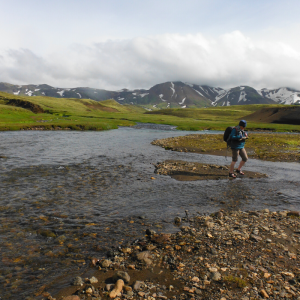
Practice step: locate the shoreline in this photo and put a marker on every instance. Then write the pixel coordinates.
(226, 255)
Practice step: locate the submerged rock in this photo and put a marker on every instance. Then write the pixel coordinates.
(77, 281)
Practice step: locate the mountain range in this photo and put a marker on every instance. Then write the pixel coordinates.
(165, 95)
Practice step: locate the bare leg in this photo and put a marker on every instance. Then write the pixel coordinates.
(241, 164)
(232, 166)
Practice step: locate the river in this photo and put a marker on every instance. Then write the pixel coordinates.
(66, 196)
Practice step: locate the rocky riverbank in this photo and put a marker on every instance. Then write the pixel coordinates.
(188, 171)
(227, 255)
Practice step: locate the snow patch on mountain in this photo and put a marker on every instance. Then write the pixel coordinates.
(29, 93)
(242, 96)
(61, 93)
(198, 92)
(17, 93)
(78, 95)
(260, 92)
(172, 88)
(282, 95)
(221, 94)
(161, 98)
(143, 95)
(182, 101)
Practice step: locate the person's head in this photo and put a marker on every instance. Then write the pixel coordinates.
(243, 124)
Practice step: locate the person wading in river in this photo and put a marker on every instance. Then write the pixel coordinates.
(238, 137)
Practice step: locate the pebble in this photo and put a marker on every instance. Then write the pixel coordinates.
(246, 264)
(93, 280)
(121, 275)
(77, 281)
(106, 263)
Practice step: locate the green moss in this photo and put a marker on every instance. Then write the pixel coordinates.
(47, 233)
(240, 283)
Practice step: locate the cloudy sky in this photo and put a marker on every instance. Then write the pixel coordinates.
(113, 44)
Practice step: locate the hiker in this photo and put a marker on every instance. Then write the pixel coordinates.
(238, 137)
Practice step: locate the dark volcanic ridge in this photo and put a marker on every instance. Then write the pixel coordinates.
(280, 115)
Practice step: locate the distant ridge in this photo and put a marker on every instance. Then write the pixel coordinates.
(165, 95)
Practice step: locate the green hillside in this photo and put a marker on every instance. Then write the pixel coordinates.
(46, 113)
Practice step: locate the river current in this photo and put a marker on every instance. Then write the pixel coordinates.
(66, 196)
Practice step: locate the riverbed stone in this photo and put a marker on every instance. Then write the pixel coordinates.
(77, 281)
(72, 297)
(144, 257)
(293, 214)
(93, 279)
(216, 276)
(121, 275)
(106, 263)
(138, 284)
(241, 268)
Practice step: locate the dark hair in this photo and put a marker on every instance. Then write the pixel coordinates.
(243, 123)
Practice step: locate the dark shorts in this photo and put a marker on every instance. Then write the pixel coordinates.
(239, 152)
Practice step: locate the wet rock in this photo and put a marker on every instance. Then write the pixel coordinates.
(93, 280)
(131, 267)
(137, 285)
(209, 224)
(177, 220)
(254, 213)
(255, 238)
(250, 255)
(117, 289)
(77, 281)
(145, 257)
(216, 276)
(72, 297)
(293, 214)
(195, 279)
(109, 287)
(150, 232)
(219, 215)
(264, 293)
(121, 275)
(106, 263)
(130, 293)
(150, 247)
(94, 261)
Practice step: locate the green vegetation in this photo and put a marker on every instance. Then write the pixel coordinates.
(20, 112)
(239, 282)
(266, 146)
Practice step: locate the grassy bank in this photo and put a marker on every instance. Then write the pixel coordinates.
(18, 113)
(269, 146)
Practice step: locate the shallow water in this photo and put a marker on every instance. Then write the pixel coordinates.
(67, 196)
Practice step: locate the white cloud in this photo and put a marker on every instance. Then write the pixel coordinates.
(229, 60)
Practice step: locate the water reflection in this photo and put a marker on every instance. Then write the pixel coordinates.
(65, 196)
